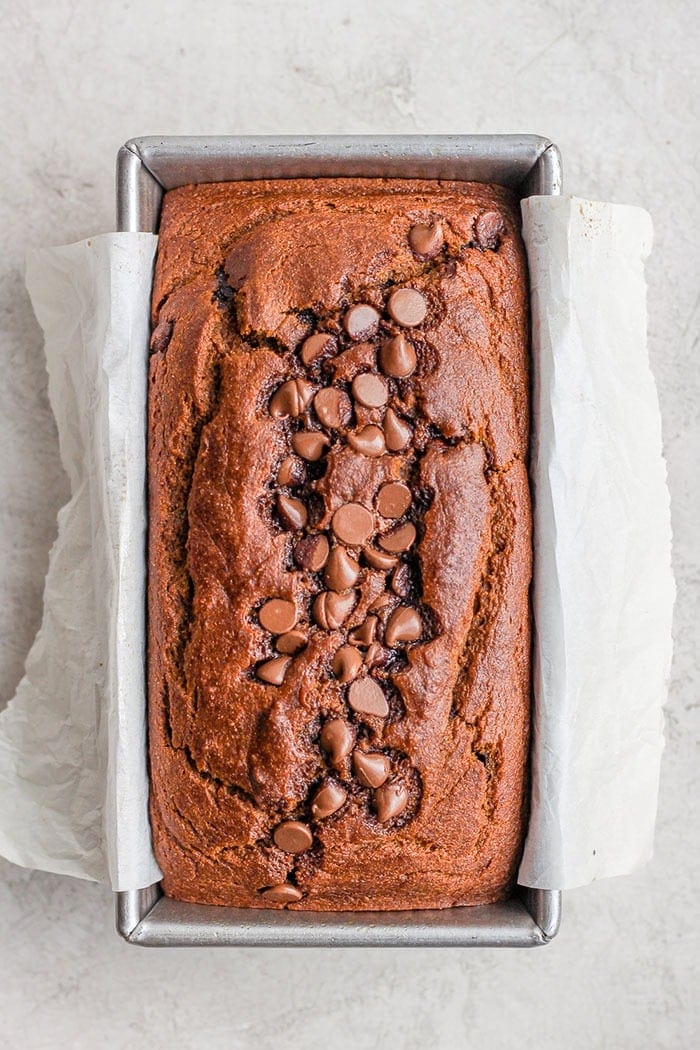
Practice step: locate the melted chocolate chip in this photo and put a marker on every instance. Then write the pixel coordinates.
(390, 800)
(407, 307)
(284, 893)
(361, 321)
(426, 241)
(277, 615)
(376, 656)
(342, 570)
(310, 444)
(328, 800)
(379, 559)
(365, 633)
(398, 539)
(370, 390)
(337, 739)
(401, 581)
(272, 672)
(370, 767)
(368, 442)
(404, 626)
(293, 837)
(291, 398)
(291, 643)
(316, 345)
(292, 512)
(352, 524)
(366, 697)
(331, 609)
(347, 664)
(291, 472)
(333, 407)
(397, 432)
(311, 553)
(397, 357)
(393, 499)
(489, 229)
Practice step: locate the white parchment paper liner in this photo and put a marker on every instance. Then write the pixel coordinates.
(603, 588)
(72, 742)
(73, 778)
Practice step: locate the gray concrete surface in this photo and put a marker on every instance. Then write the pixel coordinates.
(616, 85)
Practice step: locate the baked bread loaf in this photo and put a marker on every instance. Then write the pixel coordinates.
(339, 544)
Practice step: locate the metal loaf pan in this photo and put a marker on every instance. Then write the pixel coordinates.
(146, 167)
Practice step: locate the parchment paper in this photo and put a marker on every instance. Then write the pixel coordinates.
(603, 589)
(73, 779)
(72, 742)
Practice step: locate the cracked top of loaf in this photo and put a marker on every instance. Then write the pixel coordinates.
(339, 544)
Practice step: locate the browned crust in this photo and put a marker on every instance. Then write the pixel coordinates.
(229, 755)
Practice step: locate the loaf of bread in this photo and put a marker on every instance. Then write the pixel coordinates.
(339, 544)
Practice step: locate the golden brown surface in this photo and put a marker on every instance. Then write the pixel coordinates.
(245, 272)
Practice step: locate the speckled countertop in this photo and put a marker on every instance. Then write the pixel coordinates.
(616, 87)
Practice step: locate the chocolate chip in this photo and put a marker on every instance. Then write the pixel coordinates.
(407, 307)
(366, 697)
(316, 345)
(352, 524)
(292, 511)
(376, 656)
(291, 642)
(398, 539)
(273, 671)
(310, 444)
(331, 609)
(401, 581)
(291, 398)
(370, 767)
(426, 241)
(404, 626)
(333, 407)
(368, 442)
(328, 800)
(397, 357)
(293, 837)
(490, 227)
(277, 615)
(370, 390)
(397, 432)
(284, 893)
(311, 553)
(390, 800)
(365, 633)
(347, 664)
(361, 321)
(291, 472)
(393, 499)
(378, 559)
(337, 739)
(342, 570)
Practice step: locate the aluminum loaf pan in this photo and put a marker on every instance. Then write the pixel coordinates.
(146, 168)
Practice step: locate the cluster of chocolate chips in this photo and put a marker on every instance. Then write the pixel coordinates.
(372, 769)
(360, 538)
(325, 413)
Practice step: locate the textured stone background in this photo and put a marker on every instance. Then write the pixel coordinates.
(616, 86)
